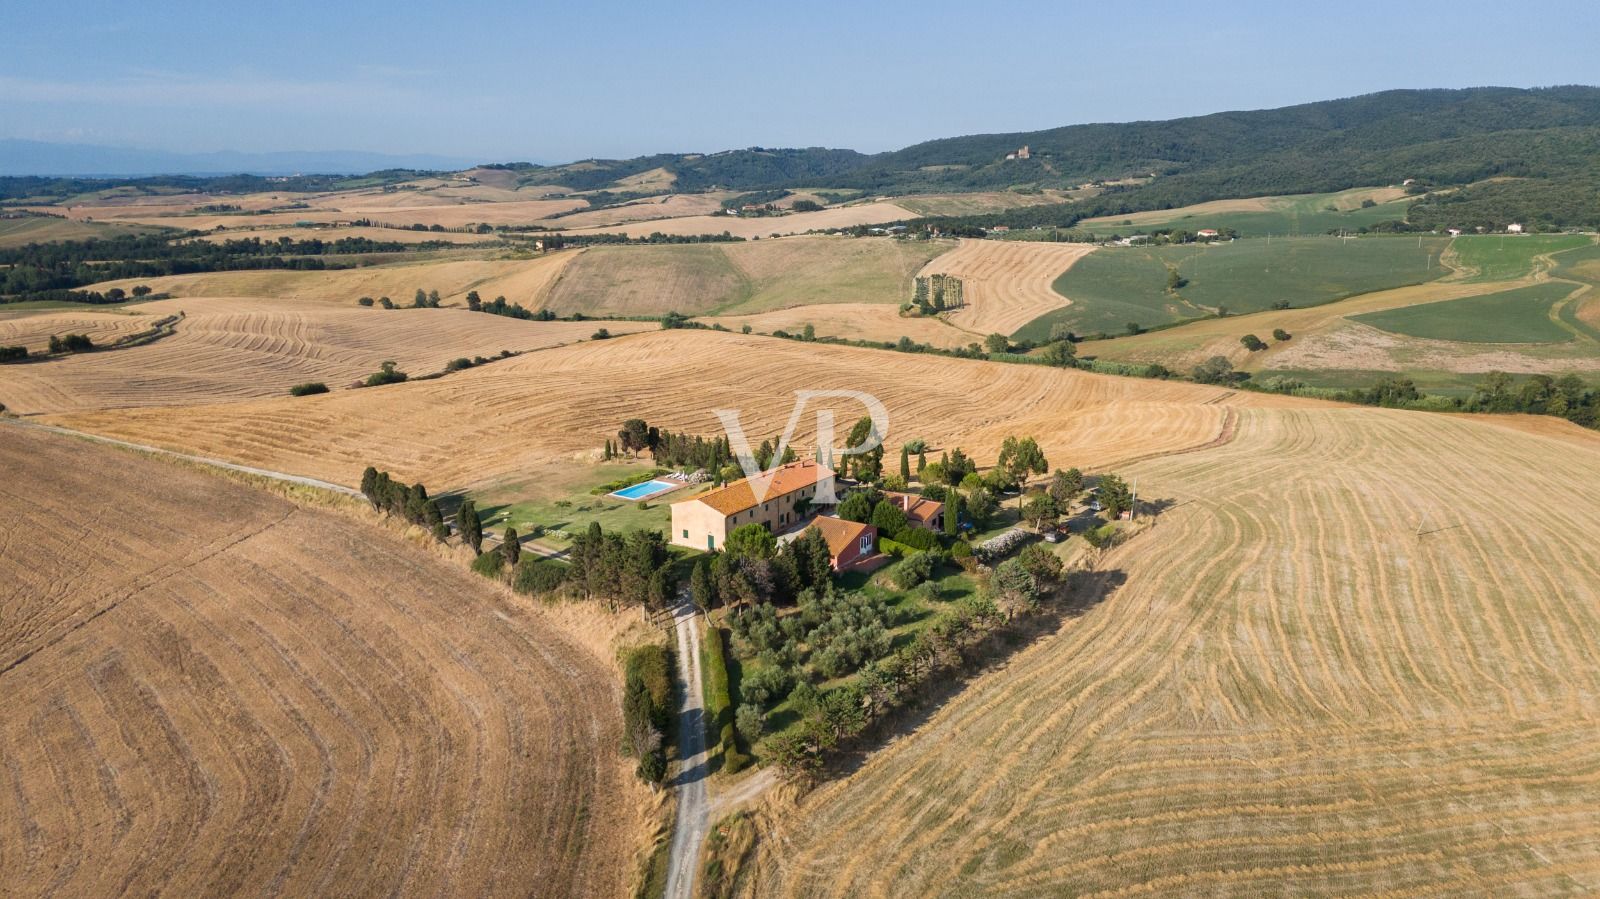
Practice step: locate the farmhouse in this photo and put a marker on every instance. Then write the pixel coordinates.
(851, 544)
(920, 512)
(1206, 232)
(704, 521)
(1513, 228)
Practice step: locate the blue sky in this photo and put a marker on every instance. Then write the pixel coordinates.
(553, 82)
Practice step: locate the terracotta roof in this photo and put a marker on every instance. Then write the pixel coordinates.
(784, 480)
(915, 506)
(840, 534)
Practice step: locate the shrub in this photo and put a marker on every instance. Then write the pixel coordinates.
(490, 564)
(386, 374)
(458, 364)
(364, 301)
(13, 353)
(1040, 562)
(601, 334)
(916, 568)
(71, 343)
(766, 687)
(1252, 343)
(999, 547)
(535, 575)
(1280, 334)
(749, 720)
(917, 538)
(647, 709)
(718, 701)
(308, 388)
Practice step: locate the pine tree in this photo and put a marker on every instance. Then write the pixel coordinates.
(510, 548)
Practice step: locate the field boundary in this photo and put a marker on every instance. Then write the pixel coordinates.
(301, 480)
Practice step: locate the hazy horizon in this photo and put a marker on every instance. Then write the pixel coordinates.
(562, 83)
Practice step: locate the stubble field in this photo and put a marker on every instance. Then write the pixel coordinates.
(1341, 663)
(229, 348)
(482, 424)
(207, 690)
(1006, 284)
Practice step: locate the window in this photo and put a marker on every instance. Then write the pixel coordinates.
(685, 533)
(711, 541)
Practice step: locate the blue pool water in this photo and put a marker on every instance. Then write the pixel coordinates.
(644, 490)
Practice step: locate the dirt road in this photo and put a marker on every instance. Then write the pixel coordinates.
(689, 830)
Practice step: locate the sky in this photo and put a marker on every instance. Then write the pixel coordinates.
(503, 81)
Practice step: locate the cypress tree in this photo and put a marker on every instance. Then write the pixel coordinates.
(470, 525)
(510, 548)
(369, 485)
(905, 465)
(922, 462)
(952, 513)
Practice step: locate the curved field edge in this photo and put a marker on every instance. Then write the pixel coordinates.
(209, 690)
(1520, 315)
(1334, 665)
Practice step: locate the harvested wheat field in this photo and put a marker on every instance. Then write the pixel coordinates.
(852, 321)
(753, 276)
(647, 209)
(520, 280)
(339, 232)
(236, 348)
(209, 691)
(875, 213)
(1344, 662)
(396, 207)
(1006, 283)
(34, 328)
(475, 426)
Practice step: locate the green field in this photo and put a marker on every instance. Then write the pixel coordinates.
(1506, 257)
(1112, 287)
(16, 232)
(1305, 214)
(1521, 315)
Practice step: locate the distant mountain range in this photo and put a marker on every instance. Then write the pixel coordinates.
(29, 157)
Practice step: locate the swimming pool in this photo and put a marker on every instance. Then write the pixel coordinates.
(644, 490)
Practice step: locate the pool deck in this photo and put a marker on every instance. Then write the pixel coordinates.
(673, 487)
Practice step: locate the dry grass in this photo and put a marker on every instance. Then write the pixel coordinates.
(520, 280)
(337, 232)
(236, 348)
(1006, 283)
(797, 223)
(854, 321)
(33, 329)
(1292, 694)
(212, 691)
(445, 203)
(482, 424)
(669, 206)
(754, 276)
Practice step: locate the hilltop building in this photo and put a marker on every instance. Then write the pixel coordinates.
(704, 521)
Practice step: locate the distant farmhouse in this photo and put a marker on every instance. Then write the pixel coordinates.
(704, 521)
(920, 512)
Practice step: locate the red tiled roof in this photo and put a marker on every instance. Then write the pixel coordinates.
(915, 506)
(840, 534)
(786, 479)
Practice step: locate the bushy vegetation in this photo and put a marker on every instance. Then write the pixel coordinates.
(718, 700)
(386, 374)
(71, 343)
(308, 388)
(621, 569)
(13, 353)
(647, 709)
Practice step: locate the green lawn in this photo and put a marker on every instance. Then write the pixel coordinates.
(1112, 287)
(1306, 214)
(561, 501)
(1505, 257)
(1521, 315)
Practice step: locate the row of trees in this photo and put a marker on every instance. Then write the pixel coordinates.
(410, 502)
(752, 569)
